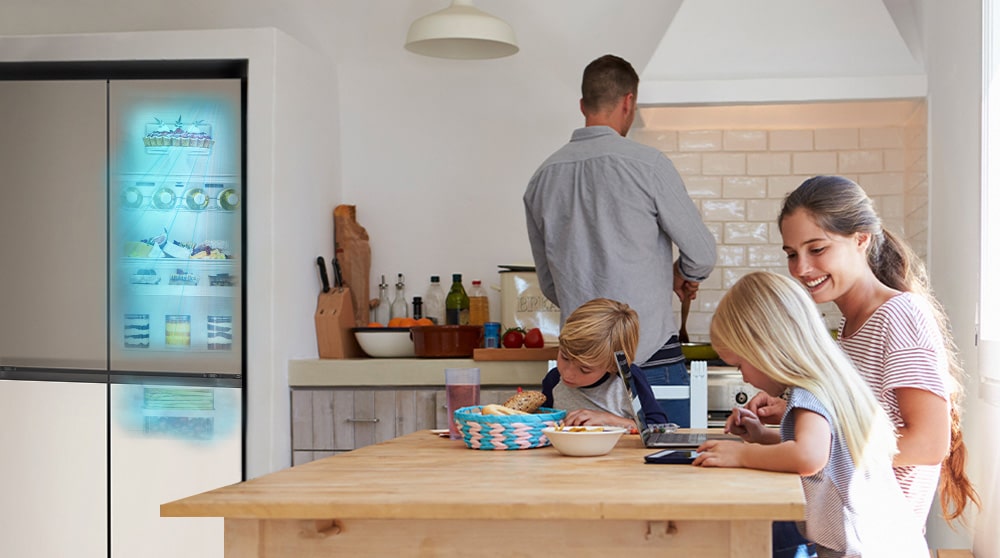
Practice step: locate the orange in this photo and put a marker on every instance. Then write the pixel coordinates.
(424, 322)
(396, 322)
(375, 324)
(407, 322)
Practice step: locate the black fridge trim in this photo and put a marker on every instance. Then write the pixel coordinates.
(32, 374)
(165, 379)
(124, 69)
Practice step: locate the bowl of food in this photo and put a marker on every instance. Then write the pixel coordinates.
(385, 342)
(583, 441)
(446, 341)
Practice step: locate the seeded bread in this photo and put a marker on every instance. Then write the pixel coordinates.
(526, 401)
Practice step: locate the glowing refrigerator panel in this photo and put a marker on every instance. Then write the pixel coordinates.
(176, 194)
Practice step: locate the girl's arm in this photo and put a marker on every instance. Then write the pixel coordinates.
(925, 436)
(806, 455)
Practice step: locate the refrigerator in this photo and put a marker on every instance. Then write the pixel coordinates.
(122, 354)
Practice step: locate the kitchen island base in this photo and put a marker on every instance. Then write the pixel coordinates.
(253, 538)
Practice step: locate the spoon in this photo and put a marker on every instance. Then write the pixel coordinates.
(682, 335)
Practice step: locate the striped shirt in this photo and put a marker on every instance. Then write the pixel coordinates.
(852, 512)
(900, 346)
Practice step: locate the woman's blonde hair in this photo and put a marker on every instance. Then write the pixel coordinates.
(840, 206)
(597, 329)
(772, 324)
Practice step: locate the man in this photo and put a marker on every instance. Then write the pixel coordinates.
(603, 213)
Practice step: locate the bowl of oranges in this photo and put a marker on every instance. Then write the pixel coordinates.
(390, 340)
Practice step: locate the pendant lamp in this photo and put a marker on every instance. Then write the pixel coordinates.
(461, 31)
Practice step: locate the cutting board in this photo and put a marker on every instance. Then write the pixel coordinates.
(545, 353)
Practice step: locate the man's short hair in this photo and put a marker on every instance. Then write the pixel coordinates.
(606, 80)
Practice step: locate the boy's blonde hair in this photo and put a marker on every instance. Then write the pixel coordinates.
(598, 328)
(772, 324)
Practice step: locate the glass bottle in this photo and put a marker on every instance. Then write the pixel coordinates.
(418, 308)
(479, 304)
(456, 304)
(382, 310)
(400, 308)
(434, 301)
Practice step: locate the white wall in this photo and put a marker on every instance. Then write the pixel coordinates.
(954, 67)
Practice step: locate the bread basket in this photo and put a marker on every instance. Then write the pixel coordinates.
(505, 432)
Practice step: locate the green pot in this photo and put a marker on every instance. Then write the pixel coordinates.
(699, 351)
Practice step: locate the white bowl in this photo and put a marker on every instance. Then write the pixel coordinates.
(385, 342)
(583, 441)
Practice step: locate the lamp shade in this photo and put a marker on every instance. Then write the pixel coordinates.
(461, 31)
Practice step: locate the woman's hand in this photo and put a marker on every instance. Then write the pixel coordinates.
(587, 417)
(767, 408)
(747, 425)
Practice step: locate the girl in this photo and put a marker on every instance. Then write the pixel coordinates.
(893, 329)
(833, 433)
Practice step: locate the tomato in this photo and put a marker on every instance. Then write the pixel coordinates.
(513, 338)
(533, 339)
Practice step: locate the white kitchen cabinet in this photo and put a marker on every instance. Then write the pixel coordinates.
(328, 421)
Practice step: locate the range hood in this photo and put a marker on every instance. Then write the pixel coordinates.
(766, 51)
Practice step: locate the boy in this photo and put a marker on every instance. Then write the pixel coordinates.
(585, 381)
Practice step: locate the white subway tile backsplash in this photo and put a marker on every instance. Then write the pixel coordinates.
(813, 163)
(745, 233)
(763, 210)
(723, 163)
(687, 164)
(744, 140)
(700, 140)
(859, 161)
(873, 138)
(739, 178)
(730, 255)
(744, 187)
(836, 138)
(723, 210)
(791, 140)
(703, 186)
(768, 163)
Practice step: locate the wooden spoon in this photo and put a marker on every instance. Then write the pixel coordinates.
(682, 335)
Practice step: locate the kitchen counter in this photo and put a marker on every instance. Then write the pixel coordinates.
(402, 372)
(422, 495)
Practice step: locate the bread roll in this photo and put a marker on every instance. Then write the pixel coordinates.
(526, 401)
(494, 409)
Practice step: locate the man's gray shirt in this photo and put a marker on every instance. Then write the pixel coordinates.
(603, 214)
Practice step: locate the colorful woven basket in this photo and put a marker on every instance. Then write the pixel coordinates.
(505, 432)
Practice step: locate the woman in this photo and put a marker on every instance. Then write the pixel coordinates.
(893, 329)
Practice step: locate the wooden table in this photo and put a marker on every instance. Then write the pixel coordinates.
(421, 495)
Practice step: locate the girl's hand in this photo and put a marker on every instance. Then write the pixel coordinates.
(766, 407)
(587, 417)
(720, 453)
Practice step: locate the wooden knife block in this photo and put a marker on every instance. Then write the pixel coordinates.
(334, 320)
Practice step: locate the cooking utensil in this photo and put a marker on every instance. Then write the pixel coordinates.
(322, 274)
(699, 351)
(338, 277)
(682, 335)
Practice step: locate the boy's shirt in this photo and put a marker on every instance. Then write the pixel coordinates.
(607, 394)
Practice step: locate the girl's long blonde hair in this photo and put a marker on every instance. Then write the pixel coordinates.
(772, 324)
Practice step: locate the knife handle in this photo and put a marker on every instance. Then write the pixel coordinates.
(322, 273)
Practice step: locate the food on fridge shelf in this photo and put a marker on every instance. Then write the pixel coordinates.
(229, 199)
(196, 199)
(182, 277)
(131, 197)
(178, 134)
(137, 249)
(164, 198)
(221, 280)
(145, 277)
(179, 250)
(220, 333)
(178, 330)
(136, 331)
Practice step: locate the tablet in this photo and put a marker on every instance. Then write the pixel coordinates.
(670, 456)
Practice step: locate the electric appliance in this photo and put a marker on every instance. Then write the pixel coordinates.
(121, 344)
